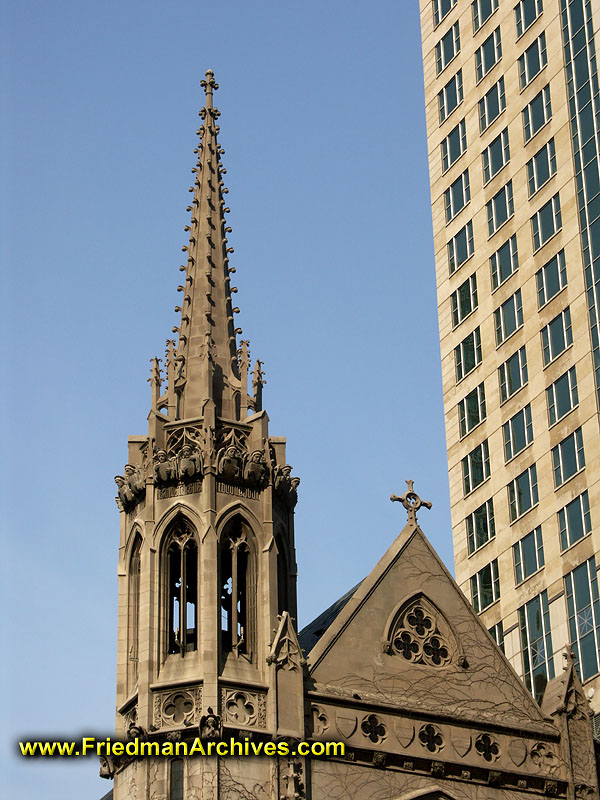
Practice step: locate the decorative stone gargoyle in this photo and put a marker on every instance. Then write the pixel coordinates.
(229, 463)
(210, 725)
(286, 486)
(255, 469)
(135, 481)
(165, 469)
(107, 767)
(126, 498)
(190, 464)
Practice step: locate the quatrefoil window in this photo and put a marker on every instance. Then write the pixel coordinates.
(373, 728)
(421, 635)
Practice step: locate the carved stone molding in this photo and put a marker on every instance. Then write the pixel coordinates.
(177, 708)
(319, 721)
(240, 707)
(373, 728)
(430, 737)
(543, 758)
(487, 747)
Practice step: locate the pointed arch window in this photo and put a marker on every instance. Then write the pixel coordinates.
(237, 585)
(181, 589)
(176, 779)
(283, 573)
(134, 611)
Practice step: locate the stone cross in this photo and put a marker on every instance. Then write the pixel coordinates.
(411, 502)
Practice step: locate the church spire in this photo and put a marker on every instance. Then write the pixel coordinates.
(207, 372)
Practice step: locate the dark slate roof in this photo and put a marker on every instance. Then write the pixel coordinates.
(107, 796)
(310, 635)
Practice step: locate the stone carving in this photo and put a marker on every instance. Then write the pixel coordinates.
(543, 758)
(346, 724)
(135, 481)
(107, 767)
(487, 747)
(286, 487)
(494, 777)
(430, 736)
(191, 435)
(379, 759)
(373, 728)
(244, 708)
(551, 788)
(135, 731)
(125, 497)
(421, 635)
(229, 463)
(411, 502)
(285, 651)
(176, 709)
(405, 732)
(291, 780)
(165, 469)
(255, 469)
(517, 751)
(319, 720)
(438, 770)
(461, 743)
(190, 464)
(210, 726)
(583, 792)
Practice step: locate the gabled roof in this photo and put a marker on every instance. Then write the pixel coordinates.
(311, 633)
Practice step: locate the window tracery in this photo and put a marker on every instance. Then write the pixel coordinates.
(421, 635)
(181, 589)
(238, 589)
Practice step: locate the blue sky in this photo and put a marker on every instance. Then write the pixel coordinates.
(324, 131)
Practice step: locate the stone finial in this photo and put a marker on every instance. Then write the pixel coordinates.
(209, 85)
(411, 501)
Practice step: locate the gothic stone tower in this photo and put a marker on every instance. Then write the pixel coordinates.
(400, 669)
(207, 569)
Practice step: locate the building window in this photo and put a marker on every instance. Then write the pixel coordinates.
(134, 612)
(237, 584)
(176, 779)
(451, 96)
(495, 156)
(497, 634)
(464, 300)
(441, 8)
(537, 113)
(482, 11)
(476, 467)
(485, 586)
(551, 278)
(488, 54)
(518, 433)
(182, 588)
(536, 644)
(581, 586)
(512, 374)
(509, 317)
(454, 145)
(460, 247)
(562, 396)
(457, 196)
(447, 48)
(557, 336)
(533, 60)
(546, 222)
(480, 526)
(568, 457)
(504, 262)
(500, 208)
(574, 521)
(491, 105)
(528, 555)
(471, 410)
(522, 493)
(526, 13)
(541, 167)
(467, 355)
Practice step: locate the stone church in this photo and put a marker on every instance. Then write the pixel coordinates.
(400, 669)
